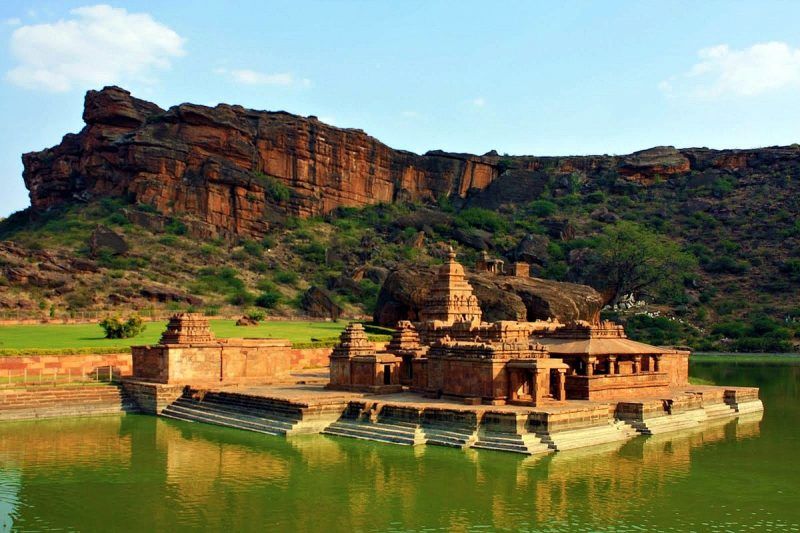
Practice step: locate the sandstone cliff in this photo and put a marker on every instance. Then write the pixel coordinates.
(221, 166)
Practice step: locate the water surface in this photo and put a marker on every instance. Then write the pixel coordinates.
(143, 473)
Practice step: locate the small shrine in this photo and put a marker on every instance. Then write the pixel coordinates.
(357, 366)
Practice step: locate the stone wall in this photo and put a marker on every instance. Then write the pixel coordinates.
(122, 364)
(61, 365)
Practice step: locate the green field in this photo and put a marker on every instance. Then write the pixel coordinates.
(767, 358)
(88, 338)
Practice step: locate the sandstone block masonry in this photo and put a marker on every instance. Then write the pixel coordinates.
(188, 353)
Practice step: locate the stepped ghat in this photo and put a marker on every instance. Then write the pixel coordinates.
(449, 379)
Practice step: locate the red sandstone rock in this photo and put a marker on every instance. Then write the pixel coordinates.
(211, 164)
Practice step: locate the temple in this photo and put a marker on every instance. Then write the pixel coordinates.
(448, 379)
(452, 353)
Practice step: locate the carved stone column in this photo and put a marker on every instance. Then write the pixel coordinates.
(637, 364)
(656, 363)
(613, 365)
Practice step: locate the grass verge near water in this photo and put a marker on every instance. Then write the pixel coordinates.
(71, 339)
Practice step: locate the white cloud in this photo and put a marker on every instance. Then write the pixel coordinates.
(99, 45)
(253, 77)
(751, 71)
(15, 21)
(478, 102)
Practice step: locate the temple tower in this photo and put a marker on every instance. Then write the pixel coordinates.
(187, 328)
(451, 299)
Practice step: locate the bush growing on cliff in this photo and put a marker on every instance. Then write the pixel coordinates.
(117, 328)
(221, 281)
(274, 188)
(477, 217)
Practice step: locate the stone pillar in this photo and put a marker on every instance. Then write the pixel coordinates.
(536, 389)
(656, 363)
(613, 365)
(562, 380)
(591, 361)
(637, 364)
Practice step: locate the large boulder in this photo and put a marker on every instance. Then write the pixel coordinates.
(319, 303)
(500, 297)
(108, 240)
(532, 249)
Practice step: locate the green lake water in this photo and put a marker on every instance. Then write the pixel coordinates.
(141, 473)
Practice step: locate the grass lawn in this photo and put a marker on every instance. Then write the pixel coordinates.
(88, 338)
(772, 358)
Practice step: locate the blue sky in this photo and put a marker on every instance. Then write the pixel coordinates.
(551, 78)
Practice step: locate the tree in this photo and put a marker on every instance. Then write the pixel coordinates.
(117, 328)
(630, 259)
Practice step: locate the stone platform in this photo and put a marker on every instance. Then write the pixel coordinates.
(303, 405)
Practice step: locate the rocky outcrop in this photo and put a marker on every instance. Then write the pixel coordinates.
(232, 167)
(319, 303)
(500, 297)
(108, 240)
(235, 171)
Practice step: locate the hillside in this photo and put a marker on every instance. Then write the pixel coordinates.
(226, 206)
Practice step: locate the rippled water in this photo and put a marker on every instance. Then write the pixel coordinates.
(143, 473)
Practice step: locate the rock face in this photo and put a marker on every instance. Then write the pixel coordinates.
(103, 238)
(229, 167)
(233, 171)
(500, 297)
(319, 303)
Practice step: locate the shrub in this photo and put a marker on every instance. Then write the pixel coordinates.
(313, 252)
(117, 328)
(176, 227)
(274, 188)
(265, 284)
(477, 217)
(286, 277)
(256, 315)
(242, 298)
(596, 197)
(268, 299)
(252, 248)
(543, 208)
(222, 281)
(727, 264)
(791, 268)
(209, 250)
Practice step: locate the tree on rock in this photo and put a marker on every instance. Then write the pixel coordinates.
(630, 259)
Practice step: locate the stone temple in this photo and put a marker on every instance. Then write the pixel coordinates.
(448, 379)
(451, 353)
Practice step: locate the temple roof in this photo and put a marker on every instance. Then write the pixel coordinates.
(601, 346)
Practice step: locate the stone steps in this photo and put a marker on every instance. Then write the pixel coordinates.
(196, 417)
(753, 406)
(718, 410)
(590, 436)
(664, 424)
(379, 432)
(224, 409)
(528, 444)
(55, 402)
(210, 413)
(455, 437)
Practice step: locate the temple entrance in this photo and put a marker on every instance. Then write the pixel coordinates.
(387, 374)
(522, 386)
